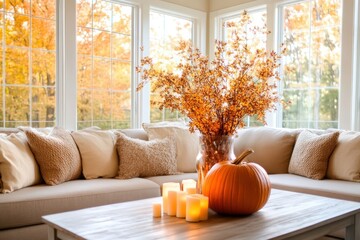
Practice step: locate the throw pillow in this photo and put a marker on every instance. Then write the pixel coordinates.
(344, 162)
(311, 154)
(56, 154)
(187, 143)
(18, 168)
(98, 153)
(139, 158)
(272, 147)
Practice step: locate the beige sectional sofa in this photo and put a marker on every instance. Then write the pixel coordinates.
(278, 149)
(21, 209)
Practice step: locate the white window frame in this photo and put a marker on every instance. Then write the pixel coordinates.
(349, 96)
(66, 70)
(356, 72)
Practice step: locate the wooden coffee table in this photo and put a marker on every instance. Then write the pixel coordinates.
(286, 215)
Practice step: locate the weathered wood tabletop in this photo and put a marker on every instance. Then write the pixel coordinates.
(286, 215)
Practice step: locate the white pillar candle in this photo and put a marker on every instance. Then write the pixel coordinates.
(172, 201)
(188, 183)
(181, 204)
(204, 206)
(156, 210)
(191, 190)
(165, 189)
(192, 209)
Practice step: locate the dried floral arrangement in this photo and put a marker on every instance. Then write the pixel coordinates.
(216, 95)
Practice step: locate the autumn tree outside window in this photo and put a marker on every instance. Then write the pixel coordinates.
(104, 46)
(320, 70)
(27, 63)
(320, 76)
(101, 39)
(165, 32)
(311, 31)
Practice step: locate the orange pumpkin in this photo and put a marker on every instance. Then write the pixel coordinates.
(237, 187)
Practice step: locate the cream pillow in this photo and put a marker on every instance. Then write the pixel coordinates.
(56, 154)
(344, 163)
(311, 154)
(272, 147)
(187, 143)
(139, 158)
(18, 168)
(98, 153)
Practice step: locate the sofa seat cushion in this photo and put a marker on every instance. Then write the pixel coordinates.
(327, 187)
(160, 180)
(26, 206)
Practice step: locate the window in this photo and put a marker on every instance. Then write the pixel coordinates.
(319, 72)
(104, 40)
(27, 63)
(165, 32)
(257, 18)
(312, 35)
(71, 63)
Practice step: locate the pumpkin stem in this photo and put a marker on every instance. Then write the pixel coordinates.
(243, 155)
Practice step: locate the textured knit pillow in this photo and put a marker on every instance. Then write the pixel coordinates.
(98, 153)
(18, 168)
(344, 162)
(139, 158)
(272, 147)
(187, 143)
(56, 154)
(311, 154)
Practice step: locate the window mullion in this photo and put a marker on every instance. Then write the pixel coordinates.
(66, 64)
(346, 115)
(271, 117)
(143, 97)
(356, 74)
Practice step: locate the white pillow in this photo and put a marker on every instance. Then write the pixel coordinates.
(344, 162)
(187, 143)
(98, 153)
(18, 168)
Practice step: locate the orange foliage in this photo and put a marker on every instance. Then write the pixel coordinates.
(216, 95)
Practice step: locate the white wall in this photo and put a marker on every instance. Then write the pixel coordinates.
(201, 5)
(208, 5)
(215, 5)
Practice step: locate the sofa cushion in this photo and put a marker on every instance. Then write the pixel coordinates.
(98, 153)
(272, 147)
(56, 154)
(18, 167)
(27, 205)
(311, 154)
(139, 158)
(344, 162)
(187, 143)
(327, 187)
(38, 232)
(137, 133)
